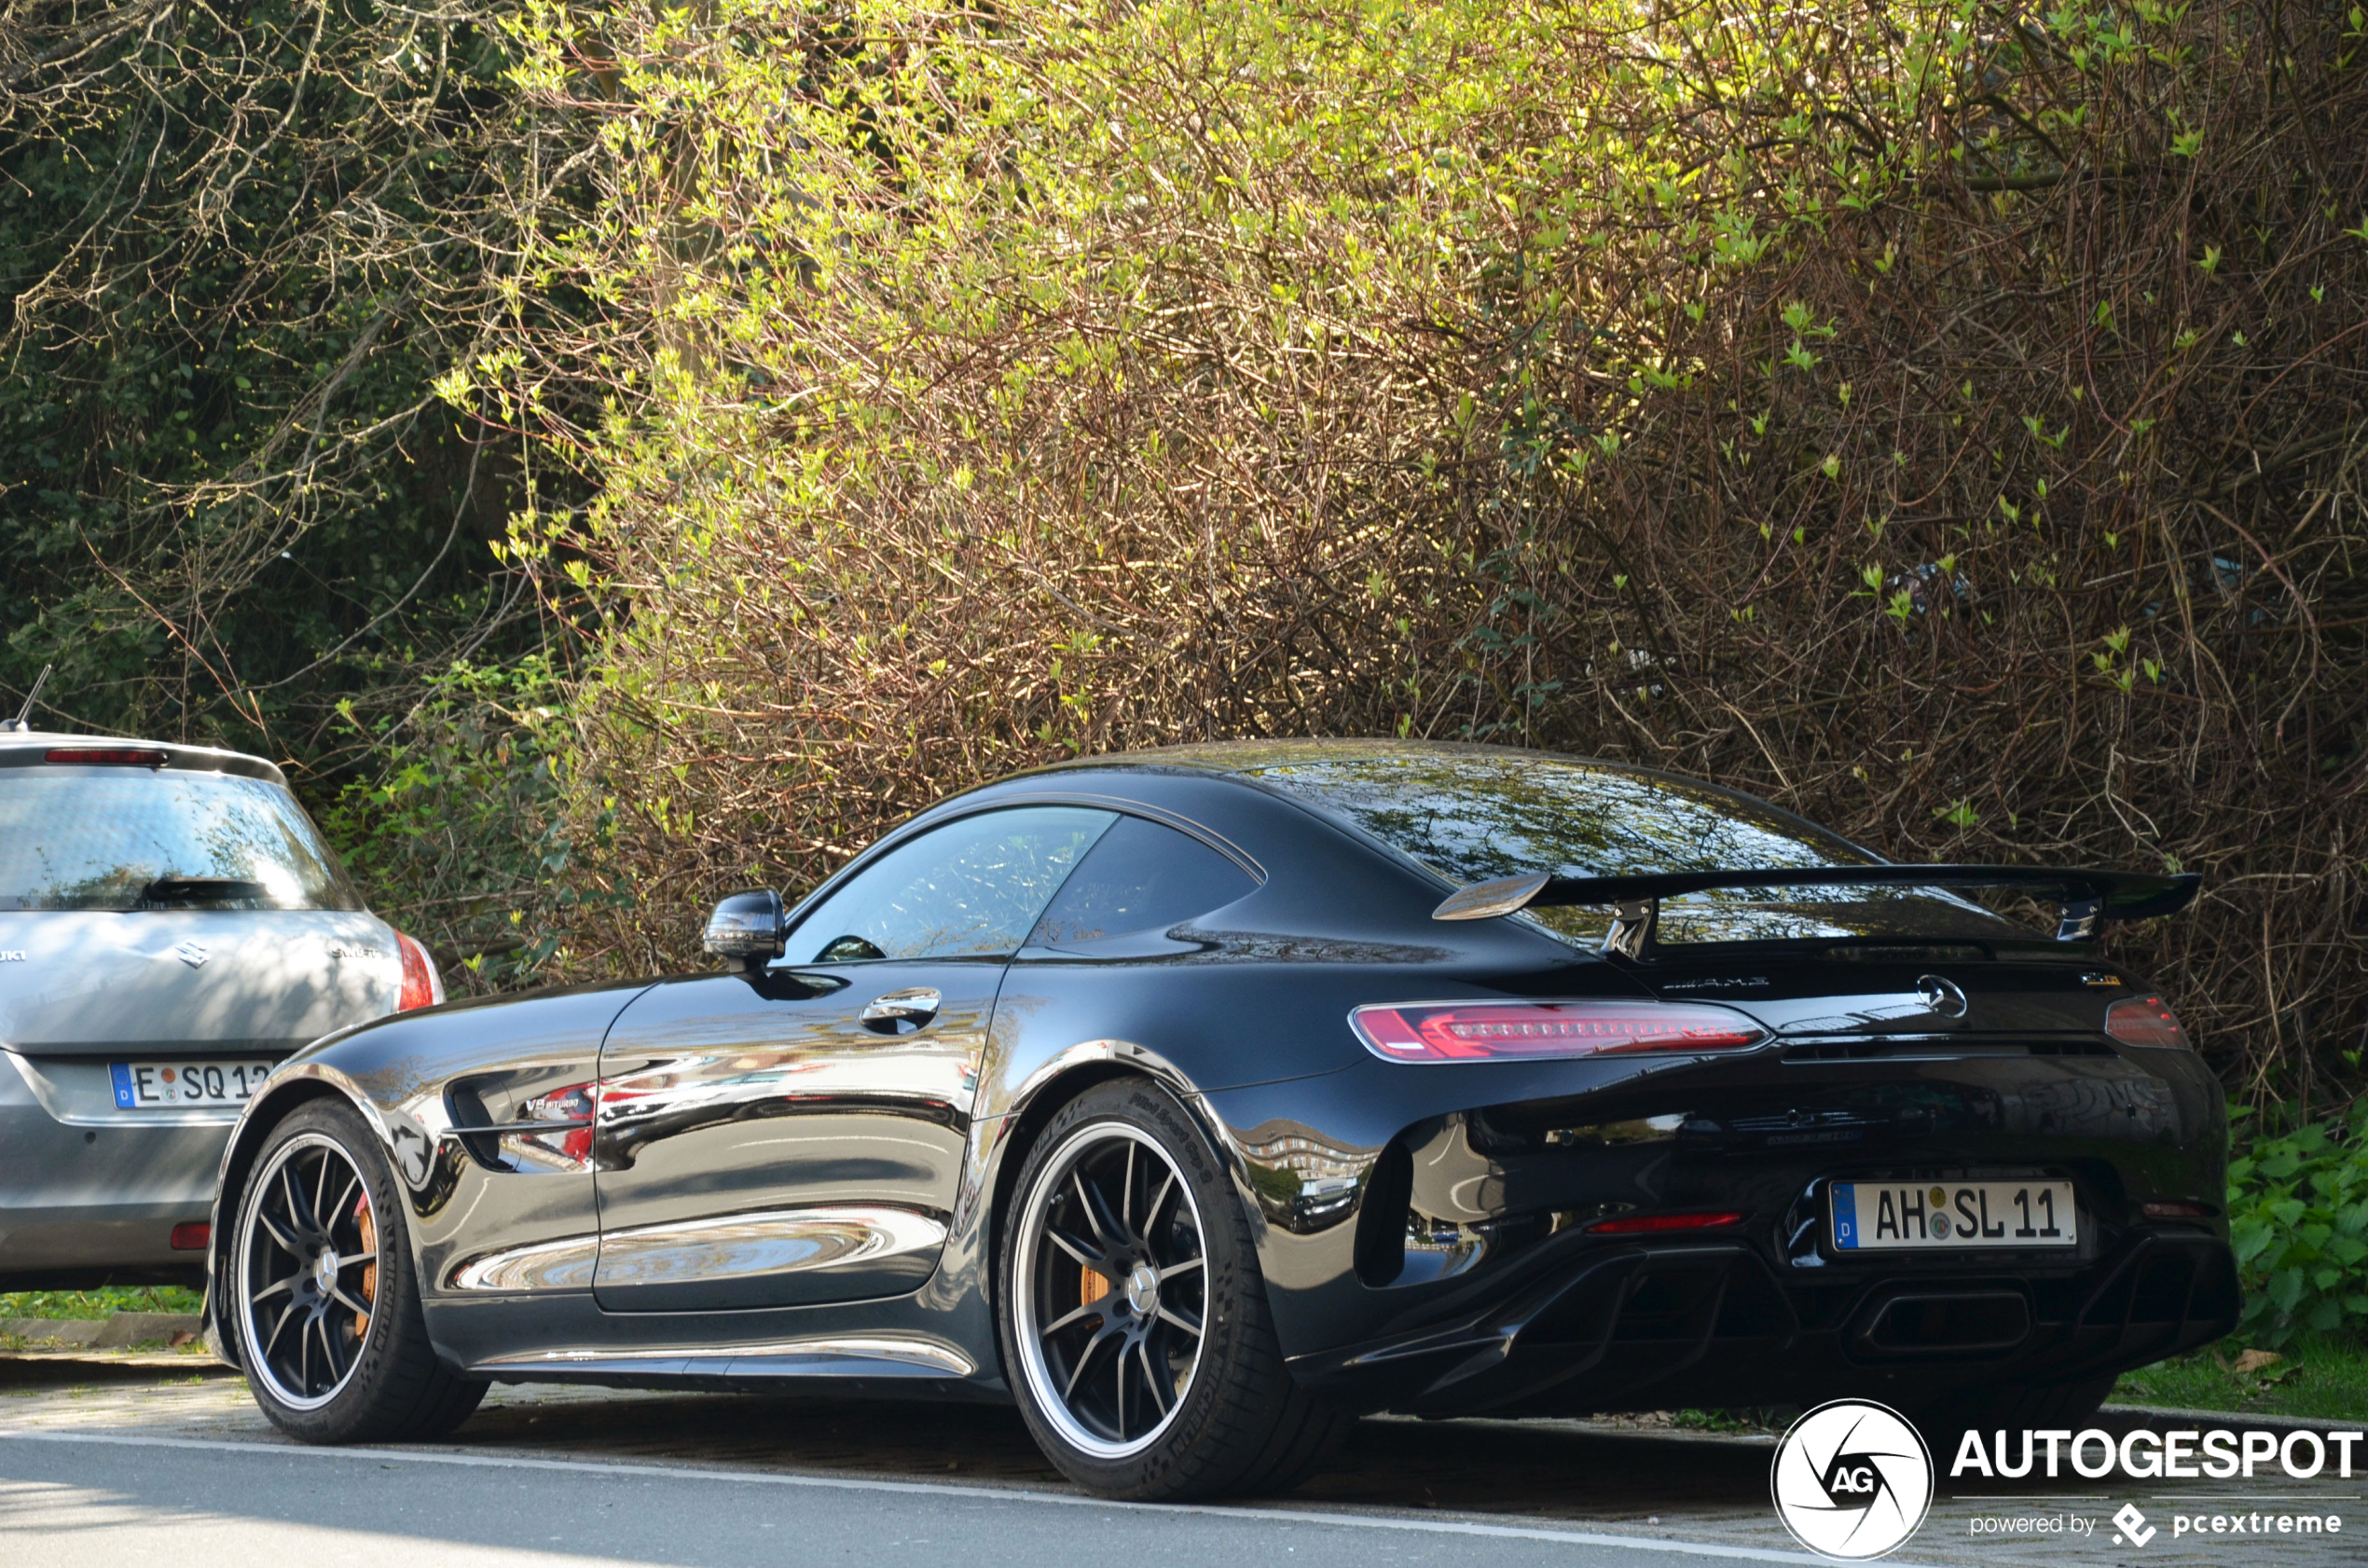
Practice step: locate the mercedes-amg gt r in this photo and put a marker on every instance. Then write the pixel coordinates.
(1201, 1100)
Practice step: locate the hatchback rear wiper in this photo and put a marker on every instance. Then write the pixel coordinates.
(2088, 898)
(178, 890)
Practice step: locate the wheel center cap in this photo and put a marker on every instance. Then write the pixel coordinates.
(1143, 1289)
(324, 1268)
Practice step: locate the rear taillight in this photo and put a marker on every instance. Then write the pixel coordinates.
(104, 756)
(2144, 1021)
(191, 1235)
(1496, 1031)
(421, 985)
(1646, 1224)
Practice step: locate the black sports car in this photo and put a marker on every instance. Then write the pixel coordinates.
(1199, 1100)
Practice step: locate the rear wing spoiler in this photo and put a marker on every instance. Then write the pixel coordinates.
(2089, 899)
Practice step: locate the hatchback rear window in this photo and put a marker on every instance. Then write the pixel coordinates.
(1476, 816)
(113, 838)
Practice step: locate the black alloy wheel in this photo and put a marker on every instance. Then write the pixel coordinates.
(308, 1270)
(1134, 1318)
(1115, 1289)
(320, 1294)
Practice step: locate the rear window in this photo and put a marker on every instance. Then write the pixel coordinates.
(116, 838)
(1476, 816)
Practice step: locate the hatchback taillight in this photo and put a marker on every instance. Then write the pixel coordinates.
(105, 756)
(421, 985)
(2144, 1021)
(1485, 1031)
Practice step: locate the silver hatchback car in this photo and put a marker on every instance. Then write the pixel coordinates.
(171, 927)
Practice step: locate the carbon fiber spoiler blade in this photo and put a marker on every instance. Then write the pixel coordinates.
(2089, 898)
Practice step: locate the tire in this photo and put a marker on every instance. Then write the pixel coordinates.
(1134, 1319)
(320, 1255)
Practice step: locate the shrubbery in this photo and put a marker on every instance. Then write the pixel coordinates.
(1941, 418)
(2298, 1214)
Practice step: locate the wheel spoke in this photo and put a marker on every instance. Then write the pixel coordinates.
(274, 1338)
(1126, 1190)
(1151, 1214)
(340, 1358)
(338, 1208)
(1096, 1210)
(1091, 1309)
(275, 1287)
(354, 1260)
(1078, 1249)
(1168, 1315)
(324, 1218)
(1160, 1396)
(1175, 1269)
(292, 1201)
(1122, 1360)
(338, 1295)
(304, 1356)
(284, 1239)
(1085, 1359)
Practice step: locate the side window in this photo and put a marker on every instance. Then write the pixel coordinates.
(1139, 877)
(968, 889)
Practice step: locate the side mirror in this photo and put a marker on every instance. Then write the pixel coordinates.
(746, 929)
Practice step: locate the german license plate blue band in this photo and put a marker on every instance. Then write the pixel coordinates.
(1845, 1213)
(124, 1098)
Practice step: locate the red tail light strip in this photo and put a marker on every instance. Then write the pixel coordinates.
(1642, 1224)
(1532, 1031)
(192, 1235)
(95, 756)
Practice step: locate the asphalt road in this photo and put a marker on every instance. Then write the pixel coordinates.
(115, 1464)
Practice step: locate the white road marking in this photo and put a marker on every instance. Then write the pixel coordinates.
(935, 1488)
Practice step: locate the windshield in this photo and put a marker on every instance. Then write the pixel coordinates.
(116, 838)
(1474, 816)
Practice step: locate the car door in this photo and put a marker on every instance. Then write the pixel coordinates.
(796, 1135)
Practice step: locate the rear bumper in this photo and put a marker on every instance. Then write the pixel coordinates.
(93, 1200)
(1444, 1263)
(1586, 1325)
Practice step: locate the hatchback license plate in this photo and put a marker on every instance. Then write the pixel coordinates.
(1871, 1216)
(185, 1085)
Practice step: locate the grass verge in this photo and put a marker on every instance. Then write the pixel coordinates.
(100, 1303)
(2326, 1379)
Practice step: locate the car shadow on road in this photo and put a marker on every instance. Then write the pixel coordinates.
(1553, 1469)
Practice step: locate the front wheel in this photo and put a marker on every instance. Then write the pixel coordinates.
(321, 1294)
(1134, 1318)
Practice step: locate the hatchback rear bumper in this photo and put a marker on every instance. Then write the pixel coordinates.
(90, 1196)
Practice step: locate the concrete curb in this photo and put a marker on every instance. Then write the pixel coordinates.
(2160, 1418)
(102, 1333)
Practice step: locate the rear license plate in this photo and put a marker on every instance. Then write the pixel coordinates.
(185, 1085)
(1871, 1216)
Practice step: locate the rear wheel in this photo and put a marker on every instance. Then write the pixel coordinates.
(1134, 1318)
(322, 1298)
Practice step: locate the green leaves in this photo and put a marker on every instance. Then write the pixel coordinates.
(2298, 1221)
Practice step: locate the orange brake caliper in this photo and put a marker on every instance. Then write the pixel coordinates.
(369, 1270)
(1091, 1287)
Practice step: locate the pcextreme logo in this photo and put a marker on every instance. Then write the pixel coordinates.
(1852, 1480)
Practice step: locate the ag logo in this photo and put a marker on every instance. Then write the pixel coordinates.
(1852, 1480)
